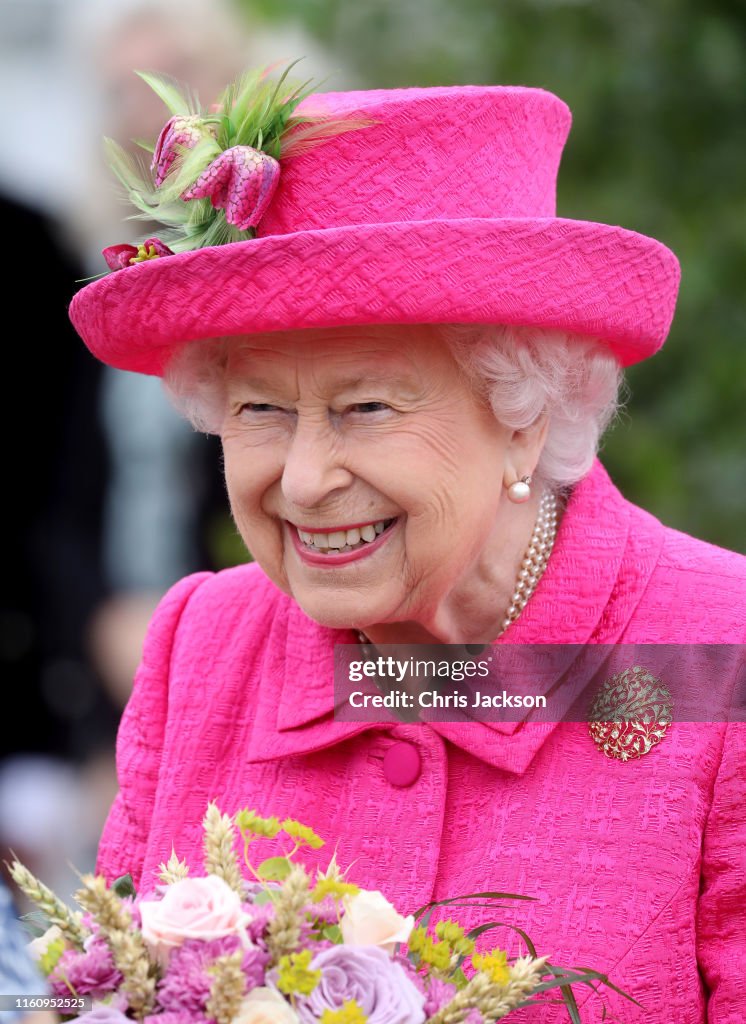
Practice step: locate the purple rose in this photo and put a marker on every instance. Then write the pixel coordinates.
(368, 975)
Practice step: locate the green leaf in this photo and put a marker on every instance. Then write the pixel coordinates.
(169, 91)
(274, 869)
(264, 896)
(123, 886)
(51, 956)
(333, 933)
(458, 978)
(475, 932)
(473, 896)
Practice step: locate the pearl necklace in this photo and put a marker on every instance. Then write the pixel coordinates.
(537, 555)
(533, 565)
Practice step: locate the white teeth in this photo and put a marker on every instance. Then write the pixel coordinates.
(342, 540)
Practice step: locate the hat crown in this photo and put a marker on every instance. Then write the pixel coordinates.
(428, 154)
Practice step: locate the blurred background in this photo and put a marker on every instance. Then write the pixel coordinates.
(113, 498)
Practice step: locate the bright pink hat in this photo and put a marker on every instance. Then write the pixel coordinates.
(441, 209)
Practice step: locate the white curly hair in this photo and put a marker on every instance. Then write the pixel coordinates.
(523, 373)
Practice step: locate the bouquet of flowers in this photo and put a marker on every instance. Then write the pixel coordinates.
(284, 948)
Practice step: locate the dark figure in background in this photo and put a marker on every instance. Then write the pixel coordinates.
(52, 577)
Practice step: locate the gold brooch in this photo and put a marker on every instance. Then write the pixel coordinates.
(630, 714)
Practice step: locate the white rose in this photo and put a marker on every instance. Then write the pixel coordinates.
(265, 1006)
(38, 947)
(370, 920)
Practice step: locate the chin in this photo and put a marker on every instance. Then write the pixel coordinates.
(335, 611)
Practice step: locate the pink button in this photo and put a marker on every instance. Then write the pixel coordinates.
(402, 764)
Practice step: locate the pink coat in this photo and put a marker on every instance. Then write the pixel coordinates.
(638, 867)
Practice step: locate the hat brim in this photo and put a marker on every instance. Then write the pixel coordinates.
(592, 279)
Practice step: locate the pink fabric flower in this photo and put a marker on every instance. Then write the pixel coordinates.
(193, 908)
(240, 181)
(120, 256)
(178, 132)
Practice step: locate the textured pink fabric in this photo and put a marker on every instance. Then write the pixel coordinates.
(441, 209)
(638, 868)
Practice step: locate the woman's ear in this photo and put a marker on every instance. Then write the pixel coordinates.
(524, 449)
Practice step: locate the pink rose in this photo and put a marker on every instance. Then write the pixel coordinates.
(193, 908)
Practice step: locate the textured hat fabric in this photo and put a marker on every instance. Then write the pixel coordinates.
(442, 209)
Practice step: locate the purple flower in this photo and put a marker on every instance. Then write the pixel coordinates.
(369, 976)
(261, 914)
(174, 1017)
(91, 972)
(102, 1014)
(186, 986)
(325, 910)
(438, 994)
(177, 134)
(241, 181)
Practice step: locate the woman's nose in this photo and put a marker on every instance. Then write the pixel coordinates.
(313, 468)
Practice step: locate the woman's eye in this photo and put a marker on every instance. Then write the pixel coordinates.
(369, 407)
(259, 407)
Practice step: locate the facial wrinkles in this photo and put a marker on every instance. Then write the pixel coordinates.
(429, 431)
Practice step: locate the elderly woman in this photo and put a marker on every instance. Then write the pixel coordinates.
(410, 367)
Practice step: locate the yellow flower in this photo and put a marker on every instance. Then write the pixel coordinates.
(295, 974)
(435, 954)
(494, 965)
(144, 253)
(350, 1013)
(331, 887)
(250, 821)
(453, 934)
(416, 940)
(302, 834)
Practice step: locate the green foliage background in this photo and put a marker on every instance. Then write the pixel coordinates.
(658, 94)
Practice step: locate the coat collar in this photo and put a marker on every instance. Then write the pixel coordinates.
(594, 579)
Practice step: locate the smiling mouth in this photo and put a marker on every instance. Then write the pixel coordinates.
(340, 541)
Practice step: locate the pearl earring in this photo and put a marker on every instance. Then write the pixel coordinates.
(520, 491)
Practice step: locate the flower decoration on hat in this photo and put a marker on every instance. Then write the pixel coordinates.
(213, 173)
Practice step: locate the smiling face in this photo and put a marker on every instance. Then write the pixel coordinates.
(363, 474)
